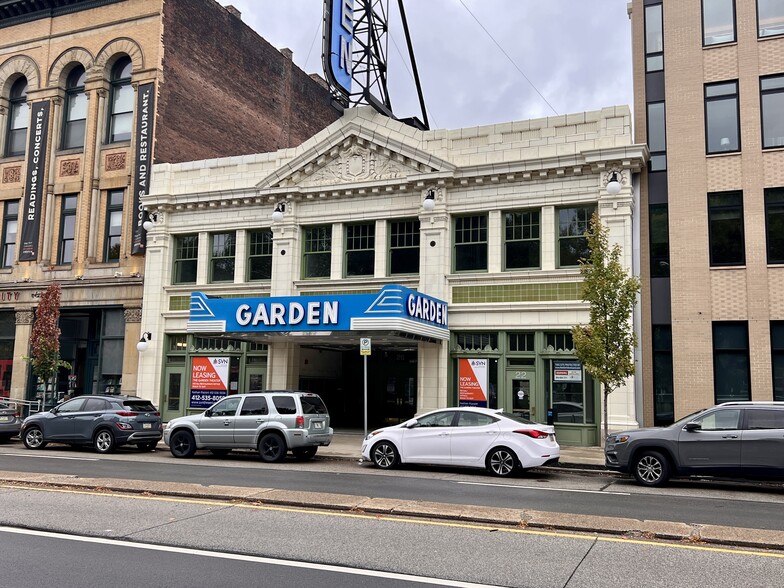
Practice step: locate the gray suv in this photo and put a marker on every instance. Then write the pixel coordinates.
(734, 439)
(271, 422)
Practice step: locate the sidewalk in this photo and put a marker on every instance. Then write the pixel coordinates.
(347, 444)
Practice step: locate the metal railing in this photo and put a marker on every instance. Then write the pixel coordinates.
(25, 407)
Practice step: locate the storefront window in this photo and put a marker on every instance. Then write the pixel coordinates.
(571, 392)
(7, 332)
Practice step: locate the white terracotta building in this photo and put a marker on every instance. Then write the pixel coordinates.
(499, 247)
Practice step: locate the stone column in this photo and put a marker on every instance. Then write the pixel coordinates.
(24, 328)
(285, 257)
(133, 332)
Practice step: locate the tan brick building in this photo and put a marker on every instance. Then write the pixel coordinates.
(709, 101)
(92, 93)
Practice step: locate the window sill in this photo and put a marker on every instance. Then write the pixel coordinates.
(116, 145)
(773, 149)
(766, 37)
(723, 154)
(12, 159)
(71, 151)
(722, 44)
(728, 267)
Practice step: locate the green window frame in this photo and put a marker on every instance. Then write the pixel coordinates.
(260, 255)
(360, 249)
(186, 258)
(403, 247)
(573, 223)
(114, 221)
(317, 252)
(470, 243)
(223, 247)
(65, 251)
(522, 244)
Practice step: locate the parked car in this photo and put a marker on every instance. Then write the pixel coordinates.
(733, 439)
(271, 422)
(468, 437)
(105, 422)
(9, 422)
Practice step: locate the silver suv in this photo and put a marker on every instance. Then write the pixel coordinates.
(272, 422)
(734, 439)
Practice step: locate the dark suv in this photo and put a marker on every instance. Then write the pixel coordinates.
(734, 439)
(105, 422)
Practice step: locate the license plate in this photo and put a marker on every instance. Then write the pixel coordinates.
(146, 425)
(318, 425)
(5, 419)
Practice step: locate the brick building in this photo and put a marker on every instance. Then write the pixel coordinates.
(709, 102)
(92, 93)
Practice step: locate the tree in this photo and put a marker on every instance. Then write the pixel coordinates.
(605, 345)
(45, 338)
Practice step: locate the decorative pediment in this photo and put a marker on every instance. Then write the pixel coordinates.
(356, 164)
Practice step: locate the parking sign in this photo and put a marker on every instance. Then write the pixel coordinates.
(364, 346)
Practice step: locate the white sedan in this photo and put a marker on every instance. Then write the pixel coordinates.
(466, 437)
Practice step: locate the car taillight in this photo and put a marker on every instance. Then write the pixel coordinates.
(157, 414)
(533, 433)
(17, 415)
(126, 413)
(124, 426)
(300, 422)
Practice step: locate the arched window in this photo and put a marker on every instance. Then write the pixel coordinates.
(121, 102)
(18, 120)
(75, 115)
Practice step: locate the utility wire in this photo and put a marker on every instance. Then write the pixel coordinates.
(313, 42)
(508, 57)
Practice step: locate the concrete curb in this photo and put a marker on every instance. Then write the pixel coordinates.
(529, 519)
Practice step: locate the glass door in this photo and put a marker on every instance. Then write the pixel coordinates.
(520, 393)
(175, 397)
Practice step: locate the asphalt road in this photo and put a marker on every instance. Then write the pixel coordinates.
(730, 504)
(140, 540)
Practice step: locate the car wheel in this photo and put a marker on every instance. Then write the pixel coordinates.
(182, 444)
(384, 455)
(651, 468)
(501, 461)
(104, 441)
(304, 453)
(220, 452)
(272, 448)
(34, 438)
(147, 446)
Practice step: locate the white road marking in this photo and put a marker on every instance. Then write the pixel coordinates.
(245, 558)
(543, 488)
(51, 456)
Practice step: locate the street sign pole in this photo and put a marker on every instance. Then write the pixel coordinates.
(364, 351)
(365, 360)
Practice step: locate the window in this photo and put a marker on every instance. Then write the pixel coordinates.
(120, 102)
(317, 252)
(95, 405)
(74, 405)
(770, 17)
(474, 419)
(360, 249)
(476, 341)
(470, 243)
(718, 21)
(114, 218)
(774, 224)
(521, 342)
(284, 404)
(227, 407)
(654, 38)
(67, 229)
(222, 257)
(186, 254)
(521, 240)
(731, 374)
(573, 223)
(75, 112)
(260, 255)
(404, 247)
(777, 349)
(438, 419)
(727, 419)
(663, 397)
(722, 120)
(657, 141)
(10, 226)
(18, 119)
(725, 219)
(254, 405)
(772, 104)
(760, 418)
(660, 241)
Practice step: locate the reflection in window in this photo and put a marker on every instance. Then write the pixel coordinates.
(260, 255)
(360, 249)
(663, 397)
(718, 21)
(404, 247)
(18, 119)
(725, 217)
(114, 218)
(770, 17)
(186, 254)
(121, 102)
(654, 38)
(521, 240)
(731, 372)
(67, 230)
(657, 141)
(222, 257)
(317, 252)
(573, 223)
(660, 241)
(75, 112)
(471, 243)
(772, 98)
(10, 225)
(722, 119)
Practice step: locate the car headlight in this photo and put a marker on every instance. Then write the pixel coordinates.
(621, 438)
(371, 435)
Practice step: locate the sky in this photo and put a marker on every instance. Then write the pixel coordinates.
(480, 61)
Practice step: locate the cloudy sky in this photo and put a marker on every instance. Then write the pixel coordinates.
(474, 56)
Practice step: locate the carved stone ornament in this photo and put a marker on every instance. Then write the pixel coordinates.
(133, 315)
(69, 167)
(357, 164)
(24, 317)
(114, 162)
(12, 175)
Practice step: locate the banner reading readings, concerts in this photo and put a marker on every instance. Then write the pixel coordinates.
(472, 382)
(35, 183)
(209, 380)
(145, 115)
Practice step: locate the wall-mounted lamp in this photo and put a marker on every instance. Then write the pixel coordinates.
(429, 203)
(614, 183)
(141, 346)
(149, 222)
(277, 214)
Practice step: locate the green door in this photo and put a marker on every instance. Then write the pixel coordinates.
(520, 397)
(175, 393)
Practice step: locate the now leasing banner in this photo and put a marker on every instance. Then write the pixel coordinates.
(209, 380)
(35, 184)
(472, 382)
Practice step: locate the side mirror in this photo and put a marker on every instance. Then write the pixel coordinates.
(411, 424)
(692, 426)
(55, 410)
(208, 413)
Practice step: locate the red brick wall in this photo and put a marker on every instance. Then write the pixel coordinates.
(226, 91)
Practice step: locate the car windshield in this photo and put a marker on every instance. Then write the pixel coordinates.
(517, 418)
(313, 405)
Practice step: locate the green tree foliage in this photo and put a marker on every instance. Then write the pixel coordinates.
(45, 339)
(605, 345)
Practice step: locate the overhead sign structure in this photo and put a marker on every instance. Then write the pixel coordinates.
(393, 308)
(472, 382)
(338, 44)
